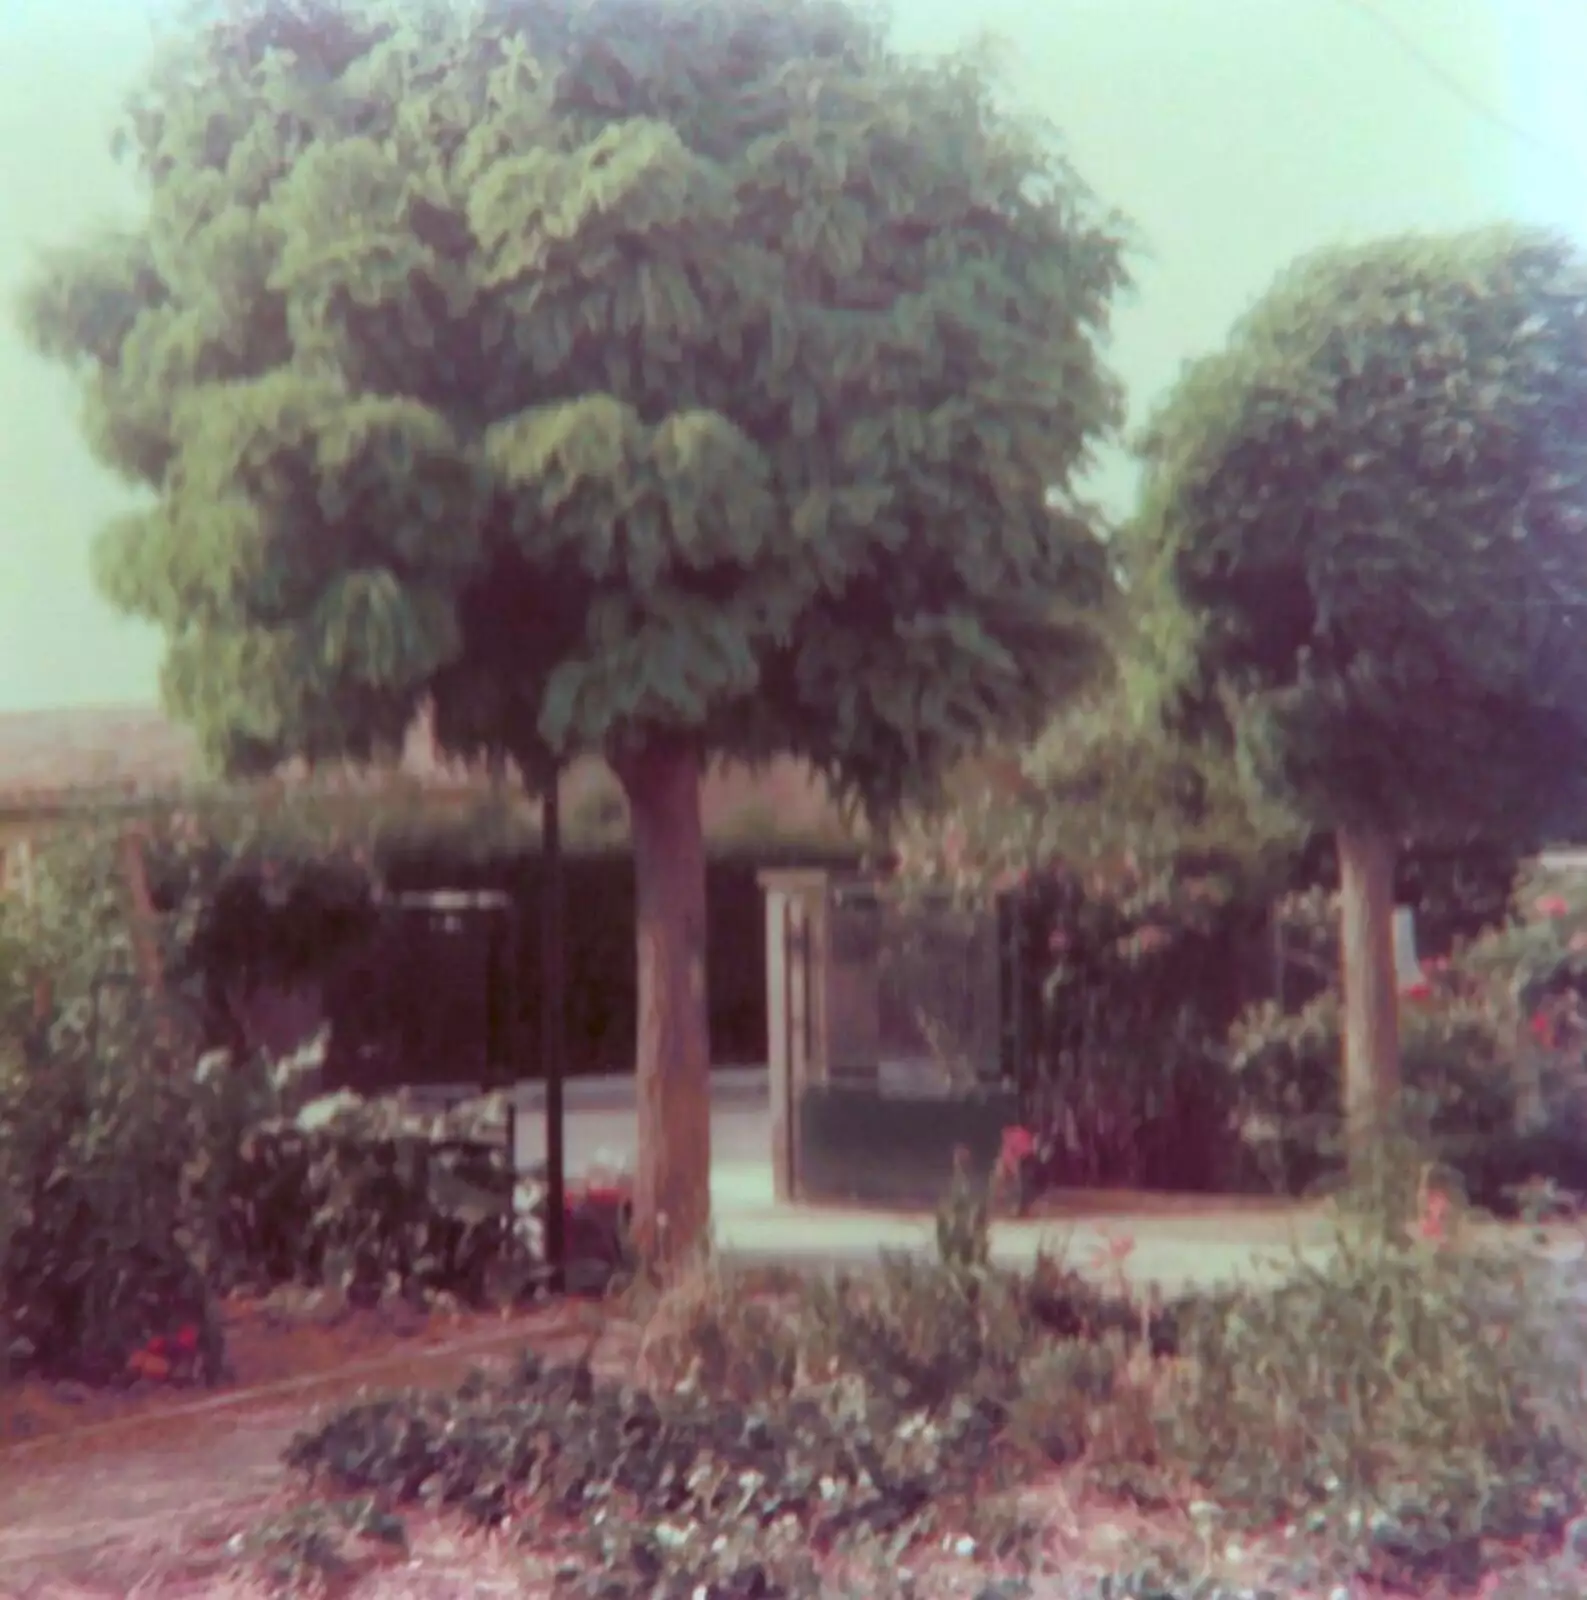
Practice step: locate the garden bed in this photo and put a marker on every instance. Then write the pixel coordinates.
(165, 1497)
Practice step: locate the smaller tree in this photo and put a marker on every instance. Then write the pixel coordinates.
(1371, 509)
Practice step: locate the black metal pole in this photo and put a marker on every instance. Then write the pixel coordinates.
(553, 1029)
(509, 972)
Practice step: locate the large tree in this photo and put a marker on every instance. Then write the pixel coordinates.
(670, 379)
(1371, 508)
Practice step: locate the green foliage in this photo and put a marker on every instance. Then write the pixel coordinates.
(1138, 973)
(102, 1240)
(1402, 1403)
(304, 1550)
(1373, 507)
(1459, 889)
(1142, 885)
(1461, 1087)
(101, 1226)
(374, 1198)
(1540, 953)
(1405, 1407)
(1134, 880)
(136, 1189)
(640, 368)
(727, 1496)
(141, 1176)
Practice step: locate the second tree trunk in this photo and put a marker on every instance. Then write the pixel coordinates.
(1371, 998)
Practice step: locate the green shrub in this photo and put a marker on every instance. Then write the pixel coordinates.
(1458, 1070)
(106, 1154)
(103, 1239)
(849, 1416)
(141, 1176)
(1128, 979)
(376, 1197)
(1402, 1402)
(134, 1189)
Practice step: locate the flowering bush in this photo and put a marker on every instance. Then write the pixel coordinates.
(141, 1174)
(1126, 971)
(167, 1360)
(1457, 1063)
(1136, 975)
(1140, 881)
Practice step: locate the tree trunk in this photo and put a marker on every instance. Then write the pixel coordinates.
(1371, 998)
(144, 919)
(672, 1186)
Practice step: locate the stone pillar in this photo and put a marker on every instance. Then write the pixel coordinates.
(795, 1008)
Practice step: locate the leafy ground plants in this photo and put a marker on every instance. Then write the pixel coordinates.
(1406, 1416)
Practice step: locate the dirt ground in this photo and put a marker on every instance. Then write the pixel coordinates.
(141, 1493)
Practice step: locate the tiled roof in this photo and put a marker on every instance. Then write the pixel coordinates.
(54, 758)
(47, 757)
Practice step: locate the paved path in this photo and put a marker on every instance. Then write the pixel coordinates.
(1172, 1242)
(1172, 1247)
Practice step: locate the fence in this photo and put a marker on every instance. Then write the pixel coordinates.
(914, 992)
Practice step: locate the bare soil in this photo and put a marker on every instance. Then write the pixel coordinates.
(142, 1493)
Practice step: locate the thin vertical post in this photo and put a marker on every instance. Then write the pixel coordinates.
(509, 972)
(553, 1029)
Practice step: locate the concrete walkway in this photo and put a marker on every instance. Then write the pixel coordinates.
(1170, 1247)
(1173, 1252)
(1172, 1243)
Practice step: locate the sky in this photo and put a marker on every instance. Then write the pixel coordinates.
(1236, 134)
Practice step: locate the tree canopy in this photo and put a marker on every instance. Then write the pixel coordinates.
(668, 379)
(595, 369)
(1373, 504)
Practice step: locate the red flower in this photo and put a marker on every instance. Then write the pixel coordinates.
(595, 1199)
(1542, 1027)
(1434, 1221)
(1550, 905)
(1019, 1145)
(187, 1338)
(1421, 990)
(156, 1346)
(954, 841)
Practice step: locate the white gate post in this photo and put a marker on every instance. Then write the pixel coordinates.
(795, 1008)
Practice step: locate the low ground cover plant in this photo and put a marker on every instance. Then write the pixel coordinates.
(1408, 1416)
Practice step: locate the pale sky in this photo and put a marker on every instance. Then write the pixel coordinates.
(1236, 133)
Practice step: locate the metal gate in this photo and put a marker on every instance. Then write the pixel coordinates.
(913, 992)
(430, 1002)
